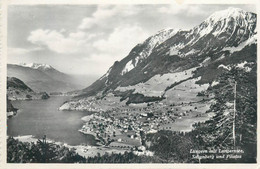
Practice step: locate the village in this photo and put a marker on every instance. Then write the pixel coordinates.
(116, 124)
(125, 127)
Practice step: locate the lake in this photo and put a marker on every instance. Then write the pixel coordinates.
(42, 117)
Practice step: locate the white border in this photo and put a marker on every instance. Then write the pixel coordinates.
(3, 55)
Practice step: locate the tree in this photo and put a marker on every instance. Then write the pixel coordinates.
(234, 123)
(40, 152)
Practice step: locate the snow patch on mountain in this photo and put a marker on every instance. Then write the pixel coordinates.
(221, 57)
(224, 67)
(192, 51)
(251, 40)
(36, 66)
(214, 83)
(150, 44)
(174, 50)
(243, 66)
(157, 39)
(128, 67)
(206, 60)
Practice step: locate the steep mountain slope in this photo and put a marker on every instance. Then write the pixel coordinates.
(135, 58)
(42, 77)
(18, 90)
(211, 41)
(187, 60)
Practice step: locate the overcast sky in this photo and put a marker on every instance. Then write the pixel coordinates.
(88, 39)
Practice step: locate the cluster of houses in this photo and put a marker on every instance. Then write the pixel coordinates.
(123, 125)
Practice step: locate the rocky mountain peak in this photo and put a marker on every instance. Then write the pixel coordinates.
(231, 27)
(157, 39)
(241, 17)
(230, 19)
(235, 13)
(137, 55)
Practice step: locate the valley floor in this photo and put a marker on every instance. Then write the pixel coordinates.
(126, 126)
(119, 125)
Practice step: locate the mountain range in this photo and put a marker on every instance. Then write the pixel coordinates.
(43, 77)
(193, 58)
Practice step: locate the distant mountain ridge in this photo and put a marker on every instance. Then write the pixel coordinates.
(37, 66)
(42, 77)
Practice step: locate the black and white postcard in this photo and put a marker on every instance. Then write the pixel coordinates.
(135, 83)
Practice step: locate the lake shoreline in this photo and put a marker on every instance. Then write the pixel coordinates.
(42, 117)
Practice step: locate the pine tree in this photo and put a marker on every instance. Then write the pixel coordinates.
(234, 123)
